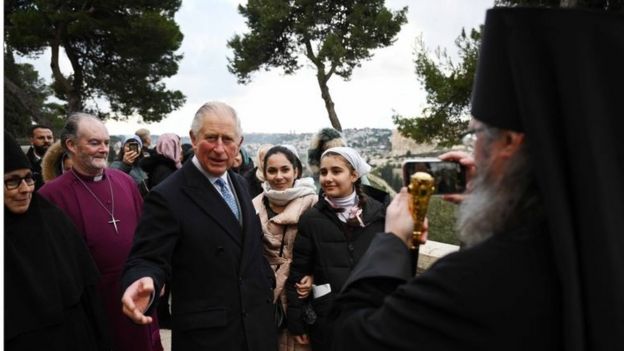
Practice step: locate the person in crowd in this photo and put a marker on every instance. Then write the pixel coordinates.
(242, 162)
(55, 162)
(128, 161)
(166, 159)
(327, 138)
(50, 296)
(199, 230)
(543, 267)
(41, 138)
(104, 205)
(285, 198)
(146, 140)
(187, 152)
(332, 237)
(255, 176)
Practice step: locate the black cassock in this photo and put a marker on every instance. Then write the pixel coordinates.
(501, 294)
(50, 280)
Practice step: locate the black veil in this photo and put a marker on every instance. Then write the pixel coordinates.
(558, 76)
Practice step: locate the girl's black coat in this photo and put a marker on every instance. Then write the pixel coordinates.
(327, 249)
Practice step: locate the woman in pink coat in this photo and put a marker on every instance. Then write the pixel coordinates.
(286, 196)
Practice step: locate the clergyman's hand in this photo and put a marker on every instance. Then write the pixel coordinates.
(136, 299)
(465, 159)
(398, 217)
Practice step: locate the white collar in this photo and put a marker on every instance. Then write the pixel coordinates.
(210, 177)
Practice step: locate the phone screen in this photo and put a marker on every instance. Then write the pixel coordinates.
(133, 147)
(450, 177)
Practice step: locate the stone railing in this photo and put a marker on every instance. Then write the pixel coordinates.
(431, 252)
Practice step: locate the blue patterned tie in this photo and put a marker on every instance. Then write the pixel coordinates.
(228, 197)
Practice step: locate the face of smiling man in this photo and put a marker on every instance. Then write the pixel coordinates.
(90, 148)
(217, 143)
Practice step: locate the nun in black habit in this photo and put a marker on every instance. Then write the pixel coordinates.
(49, 279)
(552, 277)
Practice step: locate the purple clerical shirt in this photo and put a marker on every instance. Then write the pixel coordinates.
(109, 247)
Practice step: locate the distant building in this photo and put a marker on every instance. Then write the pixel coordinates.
(402, 145)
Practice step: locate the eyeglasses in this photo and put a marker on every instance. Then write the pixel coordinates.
(469, 138)
(15, 182)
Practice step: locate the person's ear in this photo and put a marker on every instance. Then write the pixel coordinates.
(510, 143)
(71, 145)
(193, 138)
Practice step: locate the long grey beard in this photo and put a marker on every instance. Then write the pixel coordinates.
(493, 206)
(479, 213)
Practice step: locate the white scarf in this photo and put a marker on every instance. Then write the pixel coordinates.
(301, 188)
(350, 209)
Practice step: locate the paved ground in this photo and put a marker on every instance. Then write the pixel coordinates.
(165, 337)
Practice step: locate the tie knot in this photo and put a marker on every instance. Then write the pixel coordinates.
(220, 183)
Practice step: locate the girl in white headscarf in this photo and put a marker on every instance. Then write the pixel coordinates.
(333, 235)
(285, 197)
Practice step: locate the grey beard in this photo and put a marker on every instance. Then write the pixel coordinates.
(479, 214)
(494, 206)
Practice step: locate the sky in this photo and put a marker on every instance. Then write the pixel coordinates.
(274, 102)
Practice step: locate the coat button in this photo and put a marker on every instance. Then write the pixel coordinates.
(244, 314)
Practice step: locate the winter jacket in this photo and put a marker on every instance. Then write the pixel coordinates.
(327, 249)
(138, 175)
(51, 165)
(158, 167)
(282, 227)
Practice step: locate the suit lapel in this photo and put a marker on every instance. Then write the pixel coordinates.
(199, 189)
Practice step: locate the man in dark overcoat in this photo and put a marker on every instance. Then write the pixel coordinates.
(199, 231)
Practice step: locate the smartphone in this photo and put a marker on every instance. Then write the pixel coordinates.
(133, 147)
(450, 177)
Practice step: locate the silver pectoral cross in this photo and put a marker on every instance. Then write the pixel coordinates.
(114, 221)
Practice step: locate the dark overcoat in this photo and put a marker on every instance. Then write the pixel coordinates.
(221, 284)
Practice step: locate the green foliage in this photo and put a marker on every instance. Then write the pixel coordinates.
(442, 219)
(448, 86)
(118, 50)
(25, 95)
(335, 34)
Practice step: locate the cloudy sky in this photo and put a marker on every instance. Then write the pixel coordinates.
(274, 102)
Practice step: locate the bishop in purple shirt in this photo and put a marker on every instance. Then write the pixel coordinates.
(105, 206)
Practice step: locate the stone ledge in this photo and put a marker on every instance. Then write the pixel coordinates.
(431, 252)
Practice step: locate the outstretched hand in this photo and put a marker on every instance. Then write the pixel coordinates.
(136, 299)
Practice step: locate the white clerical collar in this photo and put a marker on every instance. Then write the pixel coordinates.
(96, 178)
(210, 177)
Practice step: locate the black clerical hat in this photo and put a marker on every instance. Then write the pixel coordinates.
(14, 157)
(557, 76)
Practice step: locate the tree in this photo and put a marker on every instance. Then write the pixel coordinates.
(25, 95)
(335, 35)
(119, 51)
(449, 85)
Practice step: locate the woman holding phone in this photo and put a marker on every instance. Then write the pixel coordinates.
(333, 235)
(128, 161)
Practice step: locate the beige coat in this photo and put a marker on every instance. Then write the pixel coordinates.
(273, 232)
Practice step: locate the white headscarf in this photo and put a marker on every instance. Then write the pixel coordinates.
(353, 157)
